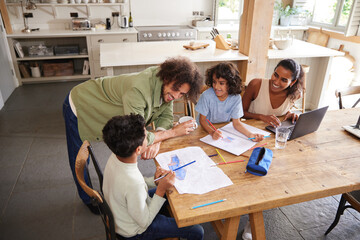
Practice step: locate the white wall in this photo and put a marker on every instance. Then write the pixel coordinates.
(144, 12)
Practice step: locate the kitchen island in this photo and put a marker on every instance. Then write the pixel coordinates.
(132, 57)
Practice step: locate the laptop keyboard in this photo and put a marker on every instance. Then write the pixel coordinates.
(291, 130)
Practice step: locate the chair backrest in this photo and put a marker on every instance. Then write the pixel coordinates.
(96, 166)
(345, 92)
(96, 197)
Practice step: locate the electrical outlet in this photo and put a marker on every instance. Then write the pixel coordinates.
(201, 13)
(195, 13)
(28, 15)
(115, 14)
(74, 14)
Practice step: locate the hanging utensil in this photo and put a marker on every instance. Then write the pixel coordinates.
(30, 5)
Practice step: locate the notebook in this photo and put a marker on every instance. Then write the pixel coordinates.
(354, 129)
(307, 123)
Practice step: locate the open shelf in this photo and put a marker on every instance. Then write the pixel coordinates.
(55, 78)
(51, 57)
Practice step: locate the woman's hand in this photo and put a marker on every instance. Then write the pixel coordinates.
(151, 151)
(184, 128)
(271, 119)
(293, 116)
(257, 137)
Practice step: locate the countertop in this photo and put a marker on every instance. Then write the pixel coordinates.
(70, 33)
(144, 53)
(301, 49)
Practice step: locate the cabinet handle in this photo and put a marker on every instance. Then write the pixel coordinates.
(100, 40)
(125, 40)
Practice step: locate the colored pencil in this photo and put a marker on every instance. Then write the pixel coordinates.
(228, 162)
(220, 155)
(261, 145)
(254, 138)
(213, 155)
(212, 126)
(207, 204)
(174, 170)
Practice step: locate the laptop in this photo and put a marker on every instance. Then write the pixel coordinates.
(307, 123)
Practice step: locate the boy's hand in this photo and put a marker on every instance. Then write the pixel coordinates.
(165, 183)
(159, 172)
(151, 151)
(184, 128)
(216, 134)
(257, 137)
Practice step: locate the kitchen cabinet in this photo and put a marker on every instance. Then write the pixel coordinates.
(38, 52)
(95, 42)
(88, 43)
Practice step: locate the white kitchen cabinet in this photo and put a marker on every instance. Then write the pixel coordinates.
(64, 67)
(95, 42)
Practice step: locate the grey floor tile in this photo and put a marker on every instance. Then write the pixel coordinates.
(8, 178)
(14, 150)
(312, 214)
(39, 214)
(47, 165)
(345, 229)
(277, 226)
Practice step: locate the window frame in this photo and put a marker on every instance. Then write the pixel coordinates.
(228, 21)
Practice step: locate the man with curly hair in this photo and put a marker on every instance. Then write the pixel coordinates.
(149, 93)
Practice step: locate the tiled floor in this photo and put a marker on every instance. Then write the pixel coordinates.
(38, 198)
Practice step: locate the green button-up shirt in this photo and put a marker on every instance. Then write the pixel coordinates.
(96, 101)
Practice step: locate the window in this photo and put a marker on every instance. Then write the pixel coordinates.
(332, 13)
(228, 11)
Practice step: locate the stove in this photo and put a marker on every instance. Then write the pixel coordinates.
(165, 33)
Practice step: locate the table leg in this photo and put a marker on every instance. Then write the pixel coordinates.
(257, 226)
(227, 229)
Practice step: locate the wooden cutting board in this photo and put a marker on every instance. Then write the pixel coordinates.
(196, 46)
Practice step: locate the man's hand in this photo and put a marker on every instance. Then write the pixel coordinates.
(184, 128)
(151, 151)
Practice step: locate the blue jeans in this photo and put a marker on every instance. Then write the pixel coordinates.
(74, 143)
(165, 227)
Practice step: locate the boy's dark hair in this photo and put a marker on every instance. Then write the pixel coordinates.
(182, 70)
(297, 73)
(123, 134)
(227, 71)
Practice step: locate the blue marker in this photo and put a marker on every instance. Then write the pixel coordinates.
(264, 137)
(207, 204)
(174, 170)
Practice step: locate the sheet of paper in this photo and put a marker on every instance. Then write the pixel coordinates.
(233, 141)
(229, 128)
(196, 178)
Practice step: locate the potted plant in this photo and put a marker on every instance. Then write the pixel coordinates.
(285, 13)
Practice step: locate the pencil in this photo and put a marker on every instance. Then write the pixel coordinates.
(213, 155)
(254, 138)
(207, 204)
(212, 126)
(220, 155)
(261, 145)
(174, 170)
(228, 162)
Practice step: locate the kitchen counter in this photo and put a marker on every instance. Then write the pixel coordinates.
(70, 33)
(152, 53)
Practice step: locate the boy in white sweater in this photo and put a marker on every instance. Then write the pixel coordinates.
(134, 207)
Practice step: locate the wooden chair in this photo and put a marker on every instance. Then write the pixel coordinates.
(353, 198)
(97, 198)
(346, 92)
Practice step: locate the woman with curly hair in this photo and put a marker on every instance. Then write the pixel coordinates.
(222, 101)
(266, 99)
(149, 93)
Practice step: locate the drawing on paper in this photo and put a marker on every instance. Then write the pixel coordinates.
(175, 163)
(228, 139)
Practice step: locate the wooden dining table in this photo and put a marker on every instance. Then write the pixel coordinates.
(317, 165)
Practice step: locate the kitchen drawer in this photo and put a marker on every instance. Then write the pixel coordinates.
(101, 72)
(96, 40)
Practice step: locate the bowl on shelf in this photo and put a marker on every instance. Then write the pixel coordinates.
(282, 44)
